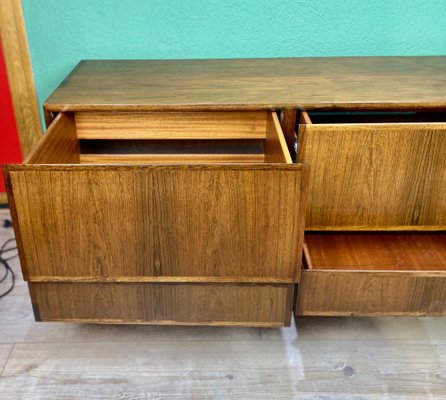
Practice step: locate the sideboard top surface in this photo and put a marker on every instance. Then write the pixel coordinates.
(254, 84)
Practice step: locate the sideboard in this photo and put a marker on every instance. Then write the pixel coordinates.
(234, 192)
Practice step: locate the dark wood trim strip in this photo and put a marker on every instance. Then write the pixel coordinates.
(168, 167)
(163, 279)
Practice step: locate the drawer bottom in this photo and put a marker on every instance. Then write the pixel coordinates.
(164, 303)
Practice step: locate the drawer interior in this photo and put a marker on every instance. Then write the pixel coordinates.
(370, 117)
(369, 251)
(157, 138)
(171, 150)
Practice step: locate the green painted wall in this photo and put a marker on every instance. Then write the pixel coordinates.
(62, 32)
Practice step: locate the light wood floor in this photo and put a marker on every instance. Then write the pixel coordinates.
(321, 358)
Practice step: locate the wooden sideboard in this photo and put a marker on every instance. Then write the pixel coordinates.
(230, 192)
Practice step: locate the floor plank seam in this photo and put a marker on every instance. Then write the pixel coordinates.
(7, 359)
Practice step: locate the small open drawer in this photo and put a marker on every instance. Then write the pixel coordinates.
(374, 170)
(141, 197)
(373, 273)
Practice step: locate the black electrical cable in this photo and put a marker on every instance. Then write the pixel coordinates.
(8, 269)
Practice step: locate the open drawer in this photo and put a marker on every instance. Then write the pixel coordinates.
(203, 197)
(374, 170)
(373, 273)
(370, 172)
(160, 218)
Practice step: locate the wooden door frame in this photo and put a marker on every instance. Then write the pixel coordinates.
(20, 75)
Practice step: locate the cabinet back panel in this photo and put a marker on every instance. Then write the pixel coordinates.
(172, 125)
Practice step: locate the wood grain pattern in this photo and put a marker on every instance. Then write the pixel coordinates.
(20, 76)
(373, 274)
(276, 149)
(171, 125)
(14, 218)
(254, 84)
(399, 251)
(210, 304)
(329, 293)
(192, 230)
(272, 143)
(375, 176)
(59, 145)
(237, 221)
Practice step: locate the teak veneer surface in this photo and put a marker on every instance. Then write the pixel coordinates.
(254, 84)
(59, 145)
(334, 293)
(172, 125)
(191, 222)
(375, 176)
(221, 244)
(376, 251)
(160, 303)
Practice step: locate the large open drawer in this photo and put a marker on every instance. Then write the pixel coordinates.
(157, 201)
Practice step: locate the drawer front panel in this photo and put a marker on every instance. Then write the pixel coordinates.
(375, 176)
(210, 304)
(371, 293)
(232, 223)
